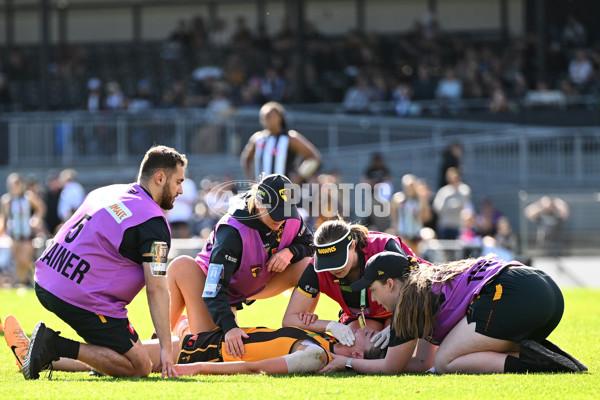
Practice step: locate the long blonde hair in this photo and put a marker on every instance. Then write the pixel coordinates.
(417, 305)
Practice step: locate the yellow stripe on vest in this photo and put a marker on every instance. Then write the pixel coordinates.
(498, 293)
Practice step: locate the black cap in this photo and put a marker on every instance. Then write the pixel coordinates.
(334, 255)
(387, 264)
(275, 194)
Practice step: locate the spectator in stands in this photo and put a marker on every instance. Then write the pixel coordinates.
(452, 157)
(181, 215)
(250, 92)
(505, 237)
(176, 95)
(142, 100)
(330, 200)
(424, 85)
(449, 202)
(410, 210)
(219, 36)
(403, 104)
(273, 85)
(242, 35)
(51, 199)
(72, 194)
(208, 138)
(449, 90)
(487, 218)
(21, 218)
(379, 178)
(581, 70)
(115, 99)
(357, 99)
(95, 100)
(181, 34)
(199, 33)
(295, 156)
(499, 102)
(549, 213)
(450, 87)
(469, 238)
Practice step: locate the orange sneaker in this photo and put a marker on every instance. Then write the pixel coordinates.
(16, 339)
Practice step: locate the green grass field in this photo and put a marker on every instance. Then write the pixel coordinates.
(579, 334)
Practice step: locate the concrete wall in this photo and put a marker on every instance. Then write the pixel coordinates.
(114, 21)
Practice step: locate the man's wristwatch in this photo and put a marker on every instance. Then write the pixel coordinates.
(349, 363)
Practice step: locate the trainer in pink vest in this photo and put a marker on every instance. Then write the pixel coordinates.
(376, 242)
(252, 276)
(82, 265)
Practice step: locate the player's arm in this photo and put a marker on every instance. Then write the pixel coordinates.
(307, 359)
(311, 157)
(303, 302)
(302, 245)
(158, 303)
(226, 251)
(247, 157)
(39, 210)
(137, 245)
(395, 361)
(269, 366)
(226, 254)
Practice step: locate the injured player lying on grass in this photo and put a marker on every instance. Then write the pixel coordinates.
(270, 351)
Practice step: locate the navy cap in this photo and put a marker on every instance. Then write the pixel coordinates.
(275, 193)
(387, 264)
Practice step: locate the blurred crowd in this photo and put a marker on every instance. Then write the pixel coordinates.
(438, 220)
(230, 66)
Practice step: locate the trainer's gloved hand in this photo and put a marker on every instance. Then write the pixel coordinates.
(343, 333)
(382, 339)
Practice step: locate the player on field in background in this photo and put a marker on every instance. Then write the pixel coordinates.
(279, 150)
(21, 218)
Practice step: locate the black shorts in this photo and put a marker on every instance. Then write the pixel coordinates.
(520, 303)
(201, 347)
(115, 333)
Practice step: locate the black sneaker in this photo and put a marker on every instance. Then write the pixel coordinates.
(541, 359)
(552, 347)
(41, 351)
